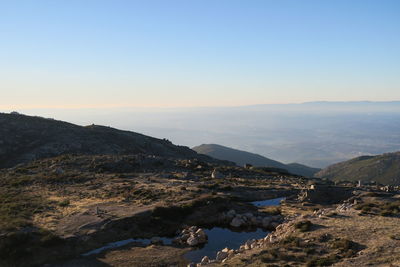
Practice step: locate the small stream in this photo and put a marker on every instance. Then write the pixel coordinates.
(268, 202)
(218, 238)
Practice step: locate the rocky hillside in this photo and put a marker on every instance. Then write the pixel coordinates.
(383, 169)
(243, 157)
(26, 138)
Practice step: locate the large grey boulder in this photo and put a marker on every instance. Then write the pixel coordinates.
(237, 222)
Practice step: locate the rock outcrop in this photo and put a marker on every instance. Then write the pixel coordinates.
(249, 219)
(192, 236)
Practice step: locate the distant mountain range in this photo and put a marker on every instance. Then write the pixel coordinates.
(316, 134)
(384, 169)
(26, 138)
(242, 157)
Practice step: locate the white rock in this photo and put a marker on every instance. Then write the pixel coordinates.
(216, 174)
(249, 244)
(205, 260)
(237, 222)
(231, 253)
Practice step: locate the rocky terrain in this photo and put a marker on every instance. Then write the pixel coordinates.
(157, 207)
(242, 157)
(384, 169)
(72, 204)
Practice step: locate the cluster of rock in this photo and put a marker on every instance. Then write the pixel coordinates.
(225, 254)
(192, 236)
(249, 219)
(282, 231)
(344, 207)
(222, 256)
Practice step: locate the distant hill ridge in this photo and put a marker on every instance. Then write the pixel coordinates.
(26, 138)
(384, 169)
(242, 157)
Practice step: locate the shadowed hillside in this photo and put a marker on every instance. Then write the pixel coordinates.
(383, 169)
(26, 138)
(243, 157)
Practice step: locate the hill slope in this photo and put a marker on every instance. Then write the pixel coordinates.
(26, 138)
(383, 169)
(243, 157)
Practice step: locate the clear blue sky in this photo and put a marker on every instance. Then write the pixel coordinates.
(93, 53)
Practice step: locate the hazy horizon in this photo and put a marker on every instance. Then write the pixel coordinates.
(99, 54)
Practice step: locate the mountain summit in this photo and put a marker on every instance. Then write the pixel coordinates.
(26, 138)
(383, 169)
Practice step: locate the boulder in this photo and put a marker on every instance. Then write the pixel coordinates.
(237, 222)
(249, 244)
(273, 239)
(185, 236)
(216, 174)
(205, 260)
(221, 255)
(201, 236)
(192, 241)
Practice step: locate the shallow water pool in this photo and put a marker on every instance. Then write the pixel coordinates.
(268, 202)
(220, 238)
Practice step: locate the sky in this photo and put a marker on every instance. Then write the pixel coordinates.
(115, 53)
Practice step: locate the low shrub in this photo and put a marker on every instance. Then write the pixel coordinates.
(303, 226)
(324, 261)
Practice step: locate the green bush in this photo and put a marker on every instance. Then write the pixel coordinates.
(64, 203)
